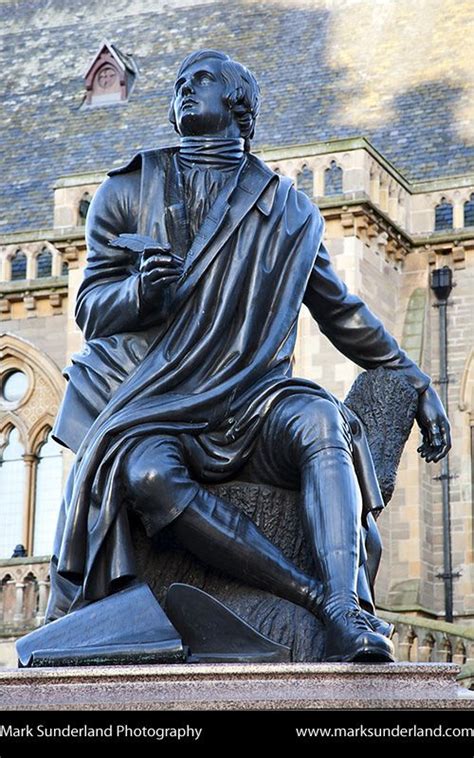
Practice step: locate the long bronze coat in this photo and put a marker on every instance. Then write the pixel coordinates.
(212, 365)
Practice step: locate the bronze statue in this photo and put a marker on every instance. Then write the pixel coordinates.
(199, 260)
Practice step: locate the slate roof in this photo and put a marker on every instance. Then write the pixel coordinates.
(46, 46)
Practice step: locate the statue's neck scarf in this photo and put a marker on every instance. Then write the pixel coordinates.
(206, 164)
(210, 153)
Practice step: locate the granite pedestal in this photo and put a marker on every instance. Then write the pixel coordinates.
(293, 686)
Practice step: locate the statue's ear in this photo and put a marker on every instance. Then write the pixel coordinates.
(235, 98)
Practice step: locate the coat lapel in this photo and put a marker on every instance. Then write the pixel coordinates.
(176, 221)
(162, 210)
(151, 221)
(231, 206)
(163, 215)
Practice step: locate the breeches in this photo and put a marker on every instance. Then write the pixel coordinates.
(161, 480)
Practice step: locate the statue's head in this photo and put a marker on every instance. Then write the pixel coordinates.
(214, 95)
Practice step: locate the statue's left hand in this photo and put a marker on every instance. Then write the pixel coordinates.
(434, 426)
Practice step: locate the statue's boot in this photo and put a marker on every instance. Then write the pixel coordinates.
(222, 536)
(379, 625)
(365, 596)
(332, 518)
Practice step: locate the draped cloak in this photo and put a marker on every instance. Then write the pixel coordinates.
(207, 366)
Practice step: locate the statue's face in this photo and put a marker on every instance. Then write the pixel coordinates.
(199, 104)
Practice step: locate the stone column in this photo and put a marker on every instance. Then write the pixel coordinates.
(405, 645)
(30, 264)
(19, 614)
(319, 181)
(458, 214)
(383, 194)
(3, 267)
(425, 650)
(375, 188)
(43, 592)
(443, 650)
(393, 204)
(28, 527)
(57, 263)
(458, 654)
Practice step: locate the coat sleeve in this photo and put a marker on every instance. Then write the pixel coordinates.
(352, 327)
(108, 301)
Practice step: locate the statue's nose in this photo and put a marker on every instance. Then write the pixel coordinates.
(187, 88)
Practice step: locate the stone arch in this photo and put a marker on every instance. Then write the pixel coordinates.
(7, 597)
(30, 596)
(440, 197)
(43, 263)
(445, 649)
(18, 265)
(38, 433)
(426, 648)
(16, 351)
(459, 653)
(9, 421)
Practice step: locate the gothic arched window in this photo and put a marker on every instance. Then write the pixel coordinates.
(443, 215)
(44, 264)
(31, 468)
(18, 266)
(48, 489)
(333, 179)
(12, 494)
(305, 181)
(469, 211)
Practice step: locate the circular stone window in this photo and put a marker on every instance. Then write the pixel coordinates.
(14, 386)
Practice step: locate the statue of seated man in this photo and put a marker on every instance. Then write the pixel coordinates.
(186, 374)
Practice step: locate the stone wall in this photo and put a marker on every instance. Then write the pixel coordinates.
(46, 333)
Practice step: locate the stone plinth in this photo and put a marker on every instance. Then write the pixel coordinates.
(293, 686)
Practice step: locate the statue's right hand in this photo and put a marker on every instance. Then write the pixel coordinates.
(158, 274)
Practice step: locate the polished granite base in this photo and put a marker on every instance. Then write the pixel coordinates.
(280, 686)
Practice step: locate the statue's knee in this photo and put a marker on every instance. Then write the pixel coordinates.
(158, 486)
(320, 425)
(148, 470)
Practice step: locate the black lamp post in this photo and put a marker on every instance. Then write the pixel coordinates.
(442, 284)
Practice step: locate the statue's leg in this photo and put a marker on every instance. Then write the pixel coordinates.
(161, 491)
(308, 433)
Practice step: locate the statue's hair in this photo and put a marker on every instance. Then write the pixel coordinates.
(242, 95)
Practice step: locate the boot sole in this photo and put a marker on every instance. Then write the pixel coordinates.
(368, 655)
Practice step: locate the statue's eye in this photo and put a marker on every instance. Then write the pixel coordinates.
(205, 79)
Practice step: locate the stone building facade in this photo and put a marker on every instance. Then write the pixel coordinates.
(398, 202)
